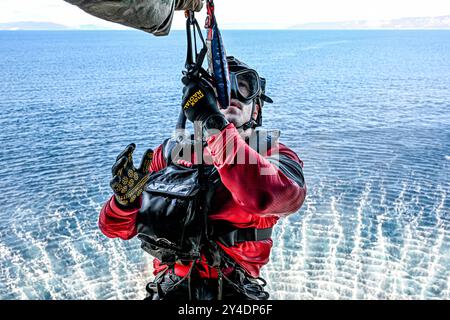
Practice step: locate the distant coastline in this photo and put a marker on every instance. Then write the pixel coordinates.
(426, 23)
(48, 26)
(416, 23)
(31, 25)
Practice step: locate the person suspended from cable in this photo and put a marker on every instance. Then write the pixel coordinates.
(205, 208)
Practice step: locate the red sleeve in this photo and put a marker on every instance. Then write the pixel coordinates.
(257, 185)
(117, 223)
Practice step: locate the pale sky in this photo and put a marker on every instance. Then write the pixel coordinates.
(242, 13)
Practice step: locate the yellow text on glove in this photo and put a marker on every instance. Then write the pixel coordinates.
(197, 96)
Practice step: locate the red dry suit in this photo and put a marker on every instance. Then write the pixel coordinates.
(249, 200)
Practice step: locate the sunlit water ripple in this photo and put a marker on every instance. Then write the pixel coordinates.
(367, 111)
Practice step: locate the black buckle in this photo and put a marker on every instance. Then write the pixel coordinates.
(240, 235)
(255, 235)
(229, 239)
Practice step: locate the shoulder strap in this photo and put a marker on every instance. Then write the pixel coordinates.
(263, 140)
(172, 147)
(167, 148)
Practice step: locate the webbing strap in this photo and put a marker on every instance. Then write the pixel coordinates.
(229, 239)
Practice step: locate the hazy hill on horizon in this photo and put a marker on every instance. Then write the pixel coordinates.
(32, 25)
(441, 22)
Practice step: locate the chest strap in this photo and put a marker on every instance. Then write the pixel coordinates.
(229, 239)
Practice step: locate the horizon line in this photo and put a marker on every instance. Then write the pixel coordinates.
(409, 23)
(242, 29)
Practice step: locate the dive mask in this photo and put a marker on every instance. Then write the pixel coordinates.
(245, 85)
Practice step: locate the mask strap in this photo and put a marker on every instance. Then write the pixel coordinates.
(251, 123)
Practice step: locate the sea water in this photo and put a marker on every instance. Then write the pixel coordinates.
(367, 111)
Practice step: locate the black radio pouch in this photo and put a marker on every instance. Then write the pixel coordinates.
(169, 224)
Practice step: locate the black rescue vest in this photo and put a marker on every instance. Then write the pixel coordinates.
(172, 223)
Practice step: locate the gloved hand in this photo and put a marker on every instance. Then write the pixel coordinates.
(199, 100)
(194, 5)
(128, 182)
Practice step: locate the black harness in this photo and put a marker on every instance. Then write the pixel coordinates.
(173, 222)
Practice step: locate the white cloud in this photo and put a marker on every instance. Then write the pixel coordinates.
(242, 13)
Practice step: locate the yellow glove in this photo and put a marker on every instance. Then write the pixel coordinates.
(128, 182)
